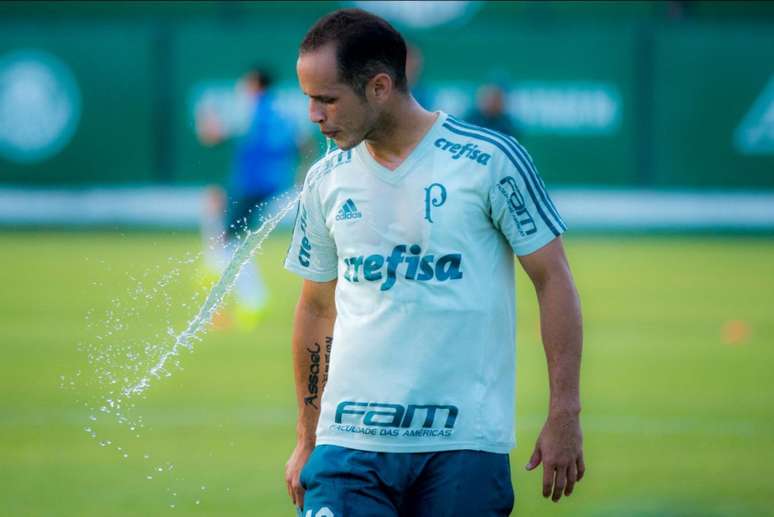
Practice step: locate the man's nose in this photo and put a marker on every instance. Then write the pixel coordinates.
(316, 114)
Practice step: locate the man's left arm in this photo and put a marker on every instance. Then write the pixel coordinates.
(560, 444)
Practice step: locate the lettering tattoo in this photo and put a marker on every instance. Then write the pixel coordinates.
(328, 346)
(316, 381)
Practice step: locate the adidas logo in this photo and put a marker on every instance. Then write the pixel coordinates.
(348, 211)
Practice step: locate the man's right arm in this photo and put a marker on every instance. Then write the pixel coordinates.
(312, 340)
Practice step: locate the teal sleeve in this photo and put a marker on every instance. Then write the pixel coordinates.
(312, 253)
(520, 206)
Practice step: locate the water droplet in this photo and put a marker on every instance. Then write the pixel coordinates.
(204, 487)
(197, 501)
(148, 477)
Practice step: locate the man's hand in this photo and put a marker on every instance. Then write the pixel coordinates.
(311, 346)
(560, 448)
(560, 444)
(293, 472)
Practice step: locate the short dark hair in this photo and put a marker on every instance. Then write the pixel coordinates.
(366, 45)
(260, 75)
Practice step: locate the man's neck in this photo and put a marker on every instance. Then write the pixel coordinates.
(401, 130)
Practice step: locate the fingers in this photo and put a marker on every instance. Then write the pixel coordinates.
(290, 491)
(298, 498)
(295, 490)
(548, 479)
(534, 460)
(581, 467)
(572, 477)
(560, 480)
(559, 483)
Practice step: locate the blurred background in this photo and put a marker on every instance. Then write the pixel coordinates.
(127, 132)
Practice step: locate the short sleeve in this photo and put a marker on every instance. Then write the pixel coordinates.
(520, 206)
(312, 253)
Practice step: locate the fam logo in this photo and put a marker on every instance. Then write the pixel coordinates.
(418, 267)
(469, 151)
(40, 106)
(516, 206)
(383, 414)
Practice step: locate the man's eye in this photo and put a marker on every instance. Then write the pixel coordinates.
(328, 100)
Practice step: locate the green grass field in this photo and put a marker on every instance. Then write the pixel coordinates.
(678, 406)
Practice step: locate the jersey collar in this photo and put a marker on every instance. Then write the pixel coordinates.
(394, 176)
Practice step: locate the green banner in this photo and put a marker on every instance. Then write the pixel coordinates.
(76, 104)
(623, 99)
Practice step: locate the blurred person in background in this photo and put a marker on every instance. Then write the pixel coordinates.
(414, 63)
(490, 111)
(264, 164)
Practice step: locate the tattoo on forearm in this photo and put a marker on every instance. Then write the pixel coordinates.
(314, 375)
(328, 345)
(313, 384)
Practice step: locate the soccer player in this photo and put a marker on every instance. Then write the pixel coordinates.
(403, 341)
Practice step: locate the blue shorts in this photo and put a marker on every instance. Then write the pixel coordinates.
(341, 482)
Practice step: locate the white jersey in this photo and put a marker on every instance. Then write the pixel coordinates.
(423, 353)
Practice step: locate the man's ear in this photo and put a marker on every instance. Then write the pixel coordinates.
(380, 88)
